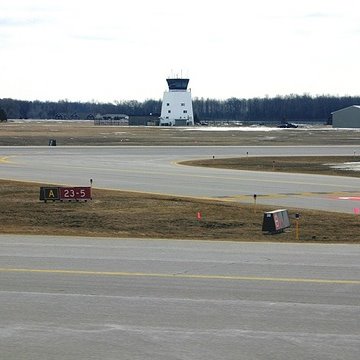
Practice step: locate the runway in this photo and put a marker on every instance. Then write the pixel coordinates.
(86, 298)
(155, 170)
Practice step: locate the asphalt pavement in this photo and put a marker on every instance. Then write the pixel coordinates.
(89, 298)
(156, 170)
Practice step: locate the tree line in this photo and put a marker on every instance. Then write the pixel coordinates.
(278, 109)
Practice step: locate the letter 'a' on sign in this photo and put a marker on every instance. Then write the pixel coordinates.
(49, 193)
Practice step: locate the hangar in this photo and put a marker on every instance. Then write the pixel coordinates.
(348, 117)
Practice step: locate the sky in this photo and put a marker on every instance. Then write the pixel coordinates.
(113, 50)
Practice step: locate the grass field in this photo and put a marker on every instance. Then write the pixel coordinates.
(85, 133)
(122, 214)
(308, 165)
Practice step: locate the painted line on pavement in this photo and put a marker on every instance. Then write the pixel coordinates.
(354, 198)
(5, 160)
(181, 276)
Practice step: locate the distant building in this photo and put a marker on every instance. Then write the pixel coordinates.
(131, 120)
(176, 109)
(346, 118)
(144, 120)
(112, 116)
(111, 119)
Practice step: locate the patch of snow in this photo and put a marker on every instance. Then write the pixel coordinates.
(350, 166)
(228, 128)
(301, 127)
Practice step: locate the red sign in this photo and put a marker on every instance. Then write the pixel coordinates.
(75, 193)
(277, 222)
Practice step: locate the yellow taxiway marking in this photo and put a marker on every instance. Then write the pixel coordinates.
(4, 160)
(181, 276)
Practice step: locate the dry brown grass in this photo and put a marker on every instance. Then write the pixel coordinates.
(293, 164)
(124, 214)
(85, 133)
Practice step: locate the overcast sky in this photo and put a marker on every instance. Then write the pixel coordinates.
(112, 50)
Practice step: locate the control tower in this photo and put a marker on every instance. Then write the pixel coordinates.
(176, 109)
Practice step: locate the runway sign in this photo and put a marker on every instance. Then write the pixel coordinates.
(78, 193)
(276, 221)
(75, 193)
